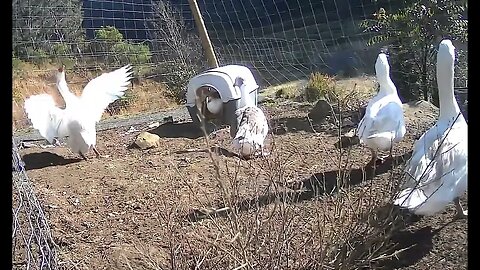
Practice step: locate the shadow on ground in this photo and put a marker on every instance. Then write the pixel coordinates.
(46, 159)
(214, 149)
(188, 130)
(306, 189)
(411, 245)
(296, 124)
(416, 244)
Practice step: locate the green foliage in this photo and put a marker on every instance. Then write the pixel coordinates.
(60, 49)
(17, 64)
(37, 56)
(105, 39)
(128, 53)
(108, 34)
(320, 86)
(412, 35)
(18, 67)
(36, 25)
(61, 54)
(111, 46)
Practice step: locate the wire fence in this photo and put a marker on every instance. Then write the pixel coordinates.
(280, 40)
(32, 244)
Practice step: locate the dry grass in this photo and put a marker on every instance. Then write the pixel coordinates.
(28, 79)
(291, 210)
(308, 205)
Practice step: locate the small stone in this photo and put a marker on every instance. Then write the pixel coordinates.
(146, 140)
(320, 111)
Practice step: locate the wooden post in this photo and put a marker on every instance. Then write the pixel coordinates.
(206, 44)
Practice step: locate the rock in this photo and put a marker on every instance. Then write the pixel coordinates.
(168, 119)
(320, 111)
(146, 140)
(28, 145)
(130, 130)
(154, 125)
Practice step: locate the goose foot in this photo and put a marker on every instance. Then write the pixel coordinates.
(96, 152)
(461, 214)
(83, 156)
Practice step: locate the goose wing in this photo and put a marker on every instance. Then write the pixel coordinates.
(105, 89)
(46, 117)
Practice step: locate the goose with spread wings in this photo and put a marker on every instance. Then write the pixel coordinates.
(78, 120)
(437, 172)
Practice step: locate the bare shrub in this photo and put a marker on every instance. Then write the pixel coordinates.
(178, 51)
(263, 216)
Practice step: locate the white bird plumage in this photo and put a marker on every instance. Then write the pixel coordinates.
(436, 174)
(214, 104)
(383, 123)
(208, 98)
(252, 125)
(77, 121)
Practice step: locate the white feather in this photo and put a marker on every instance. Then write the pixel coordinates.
(437, 172)
(252, 126)
(214, 105)
(105, 89)
(45, 116)
(77, 121)
(383, 123)
(251, 132)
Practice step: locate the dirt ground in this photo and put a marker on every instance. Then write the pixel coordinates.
(134, 209)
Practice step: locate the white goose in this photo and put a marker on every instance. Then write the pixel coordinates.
(436, 174)
(77, 121)
(383, 123)
(214, 103)
(252, 125)
(210, 97)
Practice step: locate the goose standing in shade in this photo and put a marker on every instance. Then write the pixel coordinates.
(77, 121)
(252, 125)
(436, 174)
(210, 98)
(214, 102)
(383, 123)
